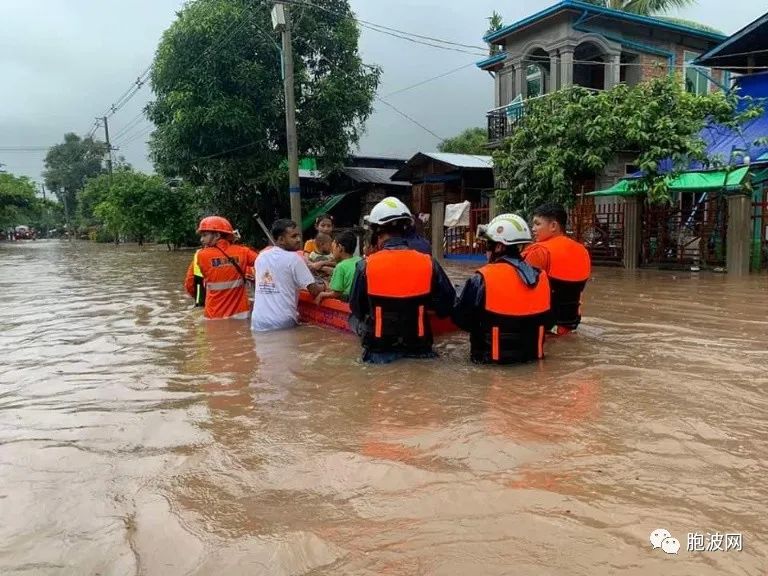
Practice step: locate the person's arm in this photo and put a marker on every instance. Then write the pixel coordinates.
(443, 292)
(358, 297)
(189, 280)
(466, 312)
(303, 278)
(328, 294)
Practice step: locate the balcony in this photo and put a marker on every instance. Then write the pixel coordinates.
(503, 120)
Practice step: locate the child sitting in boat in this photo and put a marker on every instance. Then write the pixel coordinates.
(344, 273)
(320, 260)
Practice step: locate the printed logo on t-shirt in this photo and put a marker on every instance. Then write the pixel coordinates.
(266, 284)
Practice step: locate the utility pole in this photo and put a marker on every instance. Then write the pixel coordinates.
(281, 20)
(109, 146)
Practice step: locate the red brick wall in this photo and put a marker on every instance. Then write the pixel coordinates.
(653, 67)
(657, 66)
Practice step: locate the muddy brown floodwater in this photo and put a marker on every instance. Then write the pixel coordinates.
(136, 439)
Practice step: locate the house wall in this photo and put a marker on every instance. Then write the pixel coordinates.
(558, 36)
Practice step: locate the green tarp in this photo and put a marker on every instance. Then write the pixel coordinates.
(693, 181)
(309, 220)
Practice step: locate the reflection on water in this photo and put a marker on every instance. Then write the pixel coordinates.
(136, 439)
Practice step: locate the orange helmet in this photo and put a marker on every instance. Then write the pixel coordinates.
(215, 224)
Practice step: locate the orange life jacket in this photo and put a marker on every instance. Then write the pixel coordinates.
(569, 267)
(515, 316)
(399, 285)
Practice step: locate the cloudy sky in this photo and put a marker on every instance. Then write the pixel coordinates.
(63, 62)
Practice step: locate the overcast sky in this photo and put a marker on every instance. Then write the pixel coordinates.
(63, 62)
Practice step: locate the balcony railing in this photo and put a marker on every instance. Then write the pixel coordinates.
(502, 120)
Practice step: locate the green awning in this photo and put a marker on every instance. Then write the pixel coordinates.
(309, 220)
(693, 181)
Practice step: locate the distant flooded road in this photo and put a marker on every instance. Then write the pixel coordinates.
(137, 440)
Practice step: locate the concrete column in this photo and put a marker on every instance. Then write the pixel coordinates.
(566, 67)
(554, 69)
(739, 240)
(438, 229)
(492, 208)
(497, 79)
(520, 85)
(612, 70)
(632, 238)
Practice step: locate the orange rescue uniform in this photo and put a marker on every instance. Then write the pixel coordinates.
(225, 286)
(568, 265)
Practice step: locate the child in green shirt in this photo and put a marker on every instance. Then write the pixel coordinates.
(343, 248)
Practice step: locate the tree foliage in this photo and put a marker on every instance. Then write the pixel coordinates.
(470, 141)
(572, 134)
(19, 204)
(219, 110)
(495, 23)
(645, 7)
(137, 206)
(70, 164)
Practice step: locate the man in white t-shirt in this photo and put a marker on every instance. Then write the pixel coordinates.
(280, 273)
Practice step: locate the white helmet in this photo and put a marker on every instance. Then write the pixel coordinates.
(389, 210)
(508, 229)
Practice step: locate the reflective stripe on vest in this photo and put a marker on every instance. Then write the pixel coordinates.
(568, 260)
(199, 281)
(218, 286)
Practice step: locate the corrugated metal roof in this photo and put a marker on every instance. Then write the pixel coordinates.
(461, 160)
(373, 175)
(310, 174)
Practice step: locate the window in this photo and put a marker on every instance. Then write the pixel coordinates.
(534, 81)
(696, 82)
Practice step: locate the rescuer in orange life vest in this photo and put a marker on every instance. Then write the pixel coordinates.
(394, 288)
(565, 261)
(505, 306)
(223, 267)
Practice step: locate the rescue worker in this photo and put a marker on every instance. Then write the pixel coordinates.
(505, 306)
(566, 262)
(394, 288)
(222, 266)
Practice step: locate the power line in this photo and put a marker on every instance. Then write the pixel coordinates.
(130, 125)
(443, 75)
(24, 148)
(404, 115)
(142, 79)
(402, 34)
(421, 42)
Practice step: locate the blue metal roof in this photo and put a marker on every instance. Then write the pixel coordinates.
(491, 61)
(751, 37)
(599, 10)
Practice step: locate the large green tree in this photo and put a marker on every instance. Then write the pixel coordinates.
(19, 204)
(572, 134)
(17, 194)
(139, 207)
(219, 108)
(470, 141)
(69, 164)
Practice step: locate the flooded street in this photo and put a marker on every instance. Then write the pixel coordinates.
(136, 439)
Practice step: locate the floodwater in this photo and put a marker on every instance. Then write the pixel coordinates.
(136, 439)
